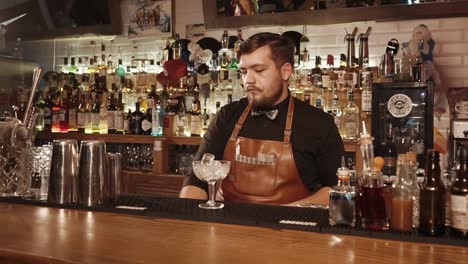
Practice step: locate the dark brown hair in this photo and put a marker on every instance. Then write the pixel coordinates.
(282, 49)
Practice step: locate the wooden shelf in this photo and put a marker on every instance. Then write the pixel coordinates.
(377, 13)
(120, 138)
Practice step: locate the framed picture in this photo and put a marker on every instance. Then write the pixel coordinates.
(147, 18)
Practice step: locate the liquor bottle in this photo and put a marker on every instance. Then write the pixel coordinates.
(119, 116)
(167, 53)
(342, 70)
(103, 119)
(417, 141)
(156, 121)
(366, 96)
(388, 152)
(63, 113)
(40, 105)
(49, 103)
(111, 112)
(103, 63)
(205, 119)
(55, 122)
(401, 218)
(152, 98)
(135, 121)
(225, 40)
(458, 197)
(224, 68)
(176, 47)
(72, 112)
(95, 115)
(317, 72)
(120, 71)
(126, 122)
(303, 42)
(238, 42)
(374, 214)
(195, 117)
(432, 198)
(89, 98)
(350, 118)
(146, 122)
(342, 209)
(82, 114)
(336, 113)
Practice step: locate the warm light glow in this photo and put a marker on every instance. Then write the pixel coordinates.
(334, 241)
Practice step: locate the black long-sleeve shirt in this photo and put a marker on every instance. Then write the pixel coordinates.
(316, 142)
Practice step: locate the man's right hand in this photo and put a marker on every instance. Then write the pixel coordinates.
(193, 192)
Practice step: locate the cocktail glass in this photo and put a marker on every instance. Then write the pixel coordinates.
(211, 172)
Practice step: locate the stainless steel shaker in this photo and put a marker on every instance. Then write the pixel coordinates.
(114, 175)
(63, 180)
(92, 174)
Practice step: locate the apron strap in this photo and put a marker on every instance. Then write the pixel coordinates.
(241, 121)
(289, 119)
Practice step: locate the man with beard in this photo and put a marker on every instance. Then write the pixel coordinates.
(282, 150)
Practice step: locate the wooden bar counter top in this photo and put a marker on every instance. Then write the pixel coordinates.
(35, 234)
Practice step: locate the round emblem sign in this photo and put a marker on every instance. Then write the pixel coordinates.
(400, 105)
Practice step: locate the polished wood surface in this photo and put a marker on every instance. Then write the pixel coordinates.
(50, 235)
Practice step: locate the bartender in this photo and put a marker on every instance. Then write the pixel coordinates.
(282, 150)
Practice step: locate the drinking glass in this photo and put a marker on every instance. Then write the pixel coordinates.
(211, 172)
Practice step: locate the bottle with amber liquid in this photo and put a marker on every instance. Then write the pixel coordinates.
(459, 197)
(401, 218)
(432, 198)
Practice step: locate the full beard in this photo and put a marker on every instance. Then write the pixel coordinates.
(263, 102)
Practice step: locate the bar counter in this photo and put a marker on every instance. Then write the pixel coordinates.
(39, 234)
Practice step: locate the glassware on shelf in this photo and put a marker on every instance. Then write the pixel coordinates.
(211, 172)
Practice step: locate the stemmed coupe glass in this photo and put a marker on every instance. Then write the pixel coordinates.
(211, 172)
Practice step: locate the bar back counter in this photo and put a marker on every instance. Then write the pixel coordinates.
(166, 230)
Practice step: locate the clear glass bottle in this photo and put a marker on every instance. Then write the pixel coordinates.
(432, 198)
(459, 197)
(366, 96)
(374, 215)
(413, 176)
(342, 209)
(401, 218)
(336, 113)
(350, 118)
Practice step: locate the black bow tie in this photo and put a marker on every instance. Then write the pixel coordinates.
(271, 114)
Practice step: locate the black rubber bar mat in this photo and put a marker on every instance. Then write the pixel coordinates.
(277, 217)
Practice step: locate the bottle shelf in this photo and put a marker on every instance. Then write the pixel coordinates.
(120, 138)
(144, 139)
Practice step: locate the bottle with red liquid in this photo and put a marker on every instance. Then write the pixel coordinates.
(372, 200)
(432, 198)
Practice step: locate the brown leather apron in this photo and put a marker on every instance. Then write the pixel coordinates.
(262, 171)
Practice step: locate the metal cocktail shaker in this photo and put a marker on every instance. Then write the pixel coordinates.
(63, 180)
(92, 174)
(114, 174)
